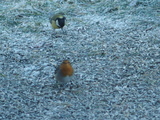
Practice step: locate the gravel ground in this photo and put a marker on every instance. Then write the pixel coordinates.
(114, 47)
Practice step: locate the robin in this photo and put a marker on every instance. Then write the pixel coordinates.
(64, 72)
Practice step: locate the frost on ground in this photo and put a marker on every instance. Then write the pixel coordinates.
(114, 47)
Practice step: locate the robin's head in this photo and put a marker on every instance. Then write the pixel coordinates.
(66, 68)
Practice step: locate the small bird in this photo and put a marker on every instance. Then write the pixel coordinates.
(64, 72)
(57, 21)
